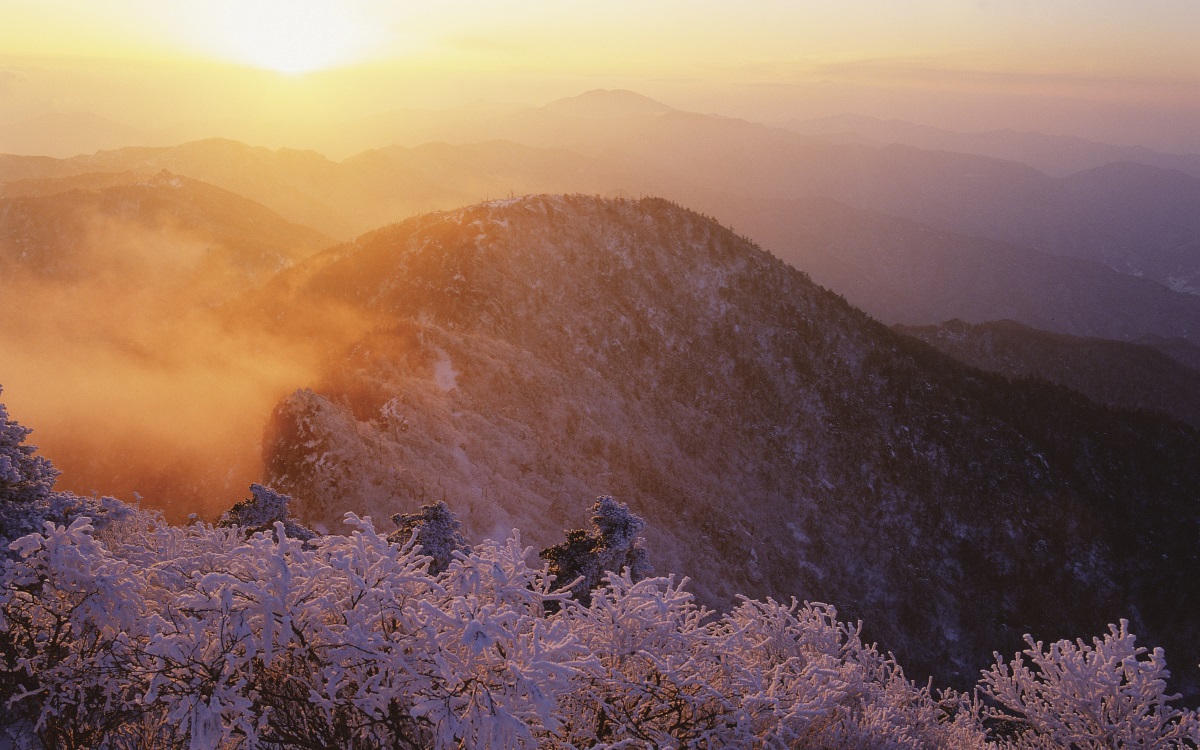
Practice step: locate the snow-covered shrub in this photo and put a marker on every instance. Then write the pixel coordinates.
(655, 681)
(155, 636)
(70, 617)
(1107, 694)
(807, 679)
(437, 531)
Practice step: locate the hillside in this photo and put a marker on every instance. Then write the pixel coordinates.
(527, 355)
(183, 231)
(1120, 374)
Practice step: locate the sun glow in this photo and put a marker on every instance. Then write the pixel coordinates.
(289, 36)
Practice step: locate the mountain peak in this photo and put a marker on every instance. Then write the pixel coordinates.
(608, 103)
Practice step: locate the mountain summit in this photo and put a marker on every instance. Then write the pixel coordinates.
(527, 355)
(608, 103)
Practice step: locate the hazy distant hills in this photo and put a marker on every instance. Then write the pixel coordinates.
(902, 271)
(1138, 219)
(1178, 349)
(1056, 155)
(970, 256)
(523, 356)
(1125, 375)
(343, 199)
(165, 230)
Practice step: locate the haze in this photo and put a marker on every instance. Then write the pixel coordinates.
(299, 73)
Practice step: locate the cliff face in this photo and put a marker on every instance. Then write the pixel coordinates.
(522, 357)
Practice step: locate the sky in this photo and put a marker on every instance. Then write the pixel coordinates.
(1109, 69)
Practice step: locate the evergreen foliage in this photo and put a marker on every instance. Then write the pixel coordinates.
(612, 546)
(436, 531)
(261, 511)
(24, 476)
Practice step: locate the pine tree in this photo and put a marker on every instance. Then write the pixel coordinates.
(438, 534)
(612, 545)
(24, 477)
(262, 510)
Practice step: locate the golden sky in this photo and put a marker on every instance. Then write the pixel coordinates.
(151, 60)
(1065, 36)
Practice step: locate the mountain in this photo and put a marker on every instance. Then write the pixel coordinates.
(523, 356)
(1139, 220)
(193, 235)
(608, 103)
(1056, 155)
(902, 271)
(1178, 349)
(1120, 374)
(345, 198)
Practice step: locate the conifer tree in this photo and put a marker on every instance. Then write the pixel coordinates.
(438, 534)
(611, 546)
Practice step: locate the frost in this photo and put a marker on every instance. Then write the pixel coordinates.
(444, 373)
(204, 636)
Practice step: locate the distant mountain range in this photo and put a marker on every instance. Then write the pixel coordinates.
(191, 234)
(1120, 374)
(990, 239)
(902, 271)
(526, 355)
(1138, 218)
(1056, 155)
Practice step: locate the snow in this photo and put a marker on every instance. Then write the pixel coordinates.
(444, 373)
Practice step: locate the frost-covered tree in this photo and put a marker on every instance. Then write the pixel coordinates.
(24, 476)
(611, 546)
(436, 531)
(261, 511)
(27, 495)
(157, 637)
(1104, 695)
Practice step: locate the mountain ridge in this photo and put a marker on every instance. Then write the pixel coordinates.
(530, 354)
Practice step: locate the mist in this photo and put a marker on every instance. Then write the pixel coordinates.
(120, 355)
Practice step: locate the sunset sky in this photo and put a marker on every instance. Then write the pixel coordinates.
(1109, 69)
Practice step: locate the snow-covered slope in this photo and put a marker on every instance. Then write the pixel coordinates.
(527, 355)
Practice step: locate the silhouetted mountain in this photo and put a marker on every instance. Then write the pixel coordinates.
(608, 103)
(1124, 375)
(527, 355)
(1056, 155)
